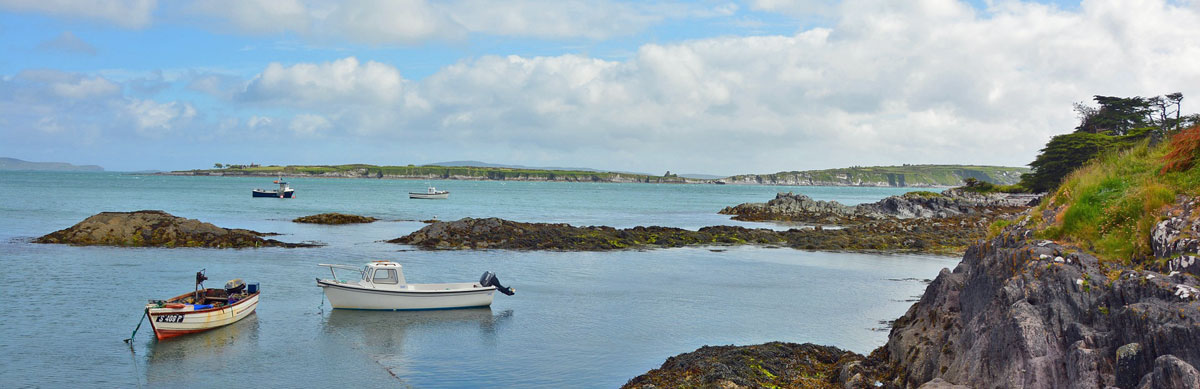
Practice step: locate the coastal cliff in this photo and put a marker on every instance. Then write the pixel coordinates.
(1096, 287)
(886, 176)
(1016, 312)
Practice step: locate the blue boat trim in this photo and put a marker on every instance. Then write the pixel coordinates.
(418, 309)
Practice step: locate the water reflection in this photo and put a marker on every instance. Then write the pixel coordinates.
(201, 353)
(386, 330)
(395, 339)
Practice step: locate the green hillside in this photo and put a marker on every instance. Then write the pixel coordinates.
(434, 172)
(906, 175)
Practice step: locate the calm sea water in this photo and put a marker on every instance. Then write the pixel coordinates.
(577, 320)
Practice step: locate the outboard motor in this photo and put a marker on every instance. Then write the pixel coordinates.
(489, 279)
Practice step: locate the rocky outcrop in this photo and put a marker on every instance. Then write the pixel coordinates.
(952, 202)
(469, 233)
(944, 236)
(1020, 312)
(157, 229)
(1176, 239)
(334, 218)
(770, 365)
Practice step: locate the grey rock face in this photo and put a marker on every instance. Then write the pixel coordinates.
(1169, 373)
(1012, 315)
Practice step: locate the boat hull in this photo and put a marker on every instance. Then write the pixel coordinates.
(351, 296)
(433, 196)
(271, 193)
(171, 322)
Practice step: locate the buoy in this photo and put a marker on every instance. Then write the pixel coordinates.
(173, 305)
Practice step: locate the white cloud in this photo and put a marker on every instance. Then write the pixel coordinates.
(309, 124)
(125, 13)
(82, 87)
(344, 81)
(922, 81)
(155, 119)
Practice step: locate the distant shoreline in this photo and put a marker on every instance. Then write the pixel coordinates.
(619, 180)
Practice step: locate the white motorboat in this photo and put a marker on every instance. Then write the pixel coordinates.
(431, 193)
(381, 286)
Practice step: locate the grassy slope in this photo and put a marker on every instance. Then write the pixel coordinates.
(942, 175)
(1110, 205)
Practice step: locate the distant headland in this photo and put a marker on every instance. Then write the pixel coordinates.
(878, 176)
(16, 164)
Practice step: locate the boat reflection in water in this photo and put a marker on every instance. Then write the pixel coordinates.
(387, 337)
(196, 358)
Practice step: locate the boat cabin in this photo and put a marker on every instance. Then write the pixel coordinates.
(384, 274)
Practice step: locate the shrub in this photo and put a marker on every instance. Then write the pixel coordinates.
(1183, 150)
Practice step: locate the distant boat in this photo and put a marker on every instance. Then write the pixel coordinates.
(202, 309)
(382, 287)
(284, 191)
(432, 193)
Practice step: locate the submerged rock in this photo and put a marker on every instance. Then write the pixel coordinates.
(334, 218)
(157, 229)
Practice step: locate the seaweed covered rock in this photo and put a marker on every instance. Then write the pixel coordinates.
(334, 218)
(942, 236)
(769, 365)
(470, 233)
(157, 229)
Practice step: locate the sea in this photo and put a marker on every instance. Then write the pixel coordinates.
(578, 319)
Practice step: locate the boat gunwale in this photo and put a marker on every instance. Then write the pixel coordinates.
(172, 311)
(411, 293)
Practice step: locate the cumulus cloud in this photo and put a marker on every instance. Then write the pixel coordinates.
(309, 124)
(922, 81)
(125, 13)
(343, 82)
(877, 86)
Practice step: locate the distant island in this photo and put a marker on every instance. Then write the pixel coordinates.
(902, 176)
(881, 176)
(16, 164)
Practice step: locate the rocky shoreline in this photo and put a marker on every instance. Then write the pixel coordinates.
(1016, 312)
(157, 229)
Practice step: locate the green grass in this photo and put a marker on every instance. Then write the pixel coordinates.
(1110, 205)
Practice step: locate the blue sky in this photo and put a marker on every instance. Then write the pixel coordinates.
(715, 87)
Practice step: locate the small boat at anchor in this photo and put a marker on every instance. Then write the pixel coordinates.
(431, 193)
(284, 191)
(202, 309)
(381, 286)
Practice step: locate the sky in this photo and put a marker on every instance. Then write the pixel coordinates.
(711, 87)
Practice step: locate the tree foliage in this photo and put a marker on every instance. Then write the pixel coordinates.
(1062, 155)
(1116, 123)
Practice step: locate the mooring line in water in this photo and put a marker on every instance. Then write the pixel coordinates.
(135, 329)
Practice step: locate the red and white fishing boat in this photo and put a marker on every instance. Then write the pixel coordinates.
(202, 309)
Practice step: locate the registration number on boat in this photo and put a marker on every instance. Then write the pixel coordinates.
(169, 319)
